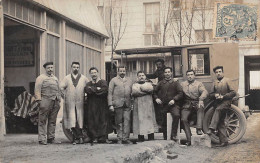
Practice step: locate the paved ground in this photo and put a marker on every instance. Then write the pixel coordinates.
(25, 148)
(247, 150)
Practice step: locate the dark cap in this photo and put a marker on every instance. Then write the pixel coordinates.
(218, 67)
(159, 60)
(47, 63)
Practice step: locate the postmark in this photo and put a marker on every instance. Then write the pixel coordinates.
(237, 21)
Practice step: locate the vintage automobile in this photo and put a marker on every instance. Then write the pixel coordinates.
(201, 58)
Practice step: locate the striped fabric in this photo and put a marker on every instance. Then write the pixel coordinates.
(26, 106)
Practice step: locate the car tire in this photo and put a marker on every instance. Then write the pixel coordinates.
(235, 123)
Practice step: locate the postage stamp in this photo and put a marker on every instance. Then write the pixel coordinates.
(237, 21)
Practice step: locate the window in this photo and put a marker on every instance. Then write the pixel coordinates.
(204, 4)
(208, 37)
(131, 66)
(176, 10)
(152, 24)
(177, 63)
(175, 3)
(101, 11)
(254, 79)
(93, 40)
(143, 66)
(52, 24)
(199, 61)
(176, 14)
(100, 6)
(74, 53)
(23, 11)
(146, 65)
(152, 67)
(52, 51)
(74, 33)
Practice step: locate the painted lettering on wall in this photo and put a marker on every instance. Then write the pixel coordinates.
(19, 54)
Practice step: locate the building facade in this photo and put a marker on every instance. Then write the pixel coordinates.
(36, 31)
(156, 23)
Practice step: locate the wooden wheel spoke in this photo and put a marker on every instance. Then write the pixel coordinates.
(233, 125)
(228, 134)
(234, 120)
(230, 129)
(232, 115)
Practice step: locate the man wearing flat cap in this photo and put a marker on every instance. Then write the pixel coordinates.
(48, 95)
(223, 93)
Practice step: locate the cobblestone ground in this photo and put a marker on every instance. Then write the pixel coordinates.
(247, 150)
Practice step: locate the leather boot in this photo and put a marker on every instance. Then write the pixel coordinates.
(141, 138)
(199, 131)
(151, 136)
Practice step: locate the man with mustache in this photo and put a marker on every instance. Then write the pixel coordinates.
(167, 95)
(144, 122)
(119, 100)
(48, 95)
(72, 88)
(97, 112)
(194, 95)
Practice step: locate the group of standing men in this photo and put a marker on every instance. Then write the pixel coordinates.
(75, 89)
(122, 96)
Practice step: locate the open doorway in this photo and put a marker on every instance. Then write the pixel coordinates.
(21, 54)
(252, 81)
(108, 70)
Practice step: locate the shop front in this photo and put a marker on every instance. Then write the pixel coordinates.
(34, 32)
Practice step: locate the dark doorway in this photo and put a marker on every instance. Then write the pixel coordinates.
(21, 52)
(109, 76)
(252, 81)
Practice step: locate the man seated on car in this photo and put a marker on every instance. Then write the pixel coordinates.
(223, 92)
(194, 95)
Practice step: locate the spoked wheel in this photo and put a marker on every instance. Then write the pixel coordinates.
(235, 123)
(69, 135)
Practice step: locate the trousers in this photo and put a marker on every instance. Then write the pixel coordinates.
(218, 120)
(175, 112)
(47, 118)
(185, 113)
(122, 120)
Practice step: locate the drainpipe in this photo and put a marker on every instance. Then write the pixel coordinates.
(2, 115)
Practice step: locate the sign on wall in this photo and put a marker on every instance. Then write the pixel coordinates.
(235, 21)
(19, 54)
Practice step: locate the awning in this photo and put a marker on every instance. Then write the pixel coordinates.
(151, 50)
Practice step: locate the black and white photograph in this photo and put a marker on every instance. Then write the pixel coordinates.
(129, 81)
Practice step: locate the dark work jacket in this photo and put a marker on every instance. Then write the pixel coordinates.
(168, 90)
(157, 74)
(225, 88)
